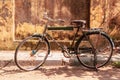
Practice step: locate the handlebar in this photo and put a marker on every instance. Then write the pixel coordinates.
(77, 23)
(45, 16)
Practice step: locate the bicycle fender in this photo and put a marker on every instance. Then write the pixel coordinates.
(37, 35)
(98, 32)
(101, 32)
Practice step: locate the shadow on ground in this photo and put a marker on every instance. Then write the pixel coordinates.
(105, 73)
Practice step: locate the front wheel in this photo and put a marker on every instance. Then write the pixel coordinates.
(94, 49)
(31, 53)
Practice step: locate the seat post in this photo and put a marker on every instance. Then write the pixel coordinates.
(78, 28)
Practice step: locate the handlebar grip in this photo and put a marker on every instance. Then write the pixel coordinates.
(45, 16)
(61, 20)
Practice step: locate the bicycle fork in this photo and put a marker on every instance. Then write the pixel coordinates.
(35, 50)
(93, 51)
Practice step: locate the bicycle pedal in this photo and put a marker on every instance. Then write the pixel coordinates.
(83, 55)
(72, 52)
(64, 61)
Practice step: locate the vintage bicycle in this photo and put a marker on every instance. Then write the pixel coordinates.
(93, 49)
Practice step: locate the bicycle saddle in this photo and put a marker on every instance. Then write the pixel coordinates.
(78, 22)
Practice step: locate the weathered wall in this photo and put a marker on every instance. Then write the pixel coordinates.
(28, 13)
(23, 17)
(6, 24)
(106, 14)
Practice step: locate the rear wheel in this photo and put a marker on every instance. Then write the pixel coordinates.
(31, 53)
(94, 50)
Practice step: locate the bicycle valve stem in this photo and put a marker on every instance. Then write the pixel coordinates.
(32, 53)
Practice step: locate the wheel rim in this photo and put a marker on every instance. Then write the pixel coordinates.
(103, 48)
(25, 60)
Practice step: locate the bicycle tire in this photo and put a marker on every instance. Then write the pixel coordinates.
(103, 48)
(32, 52)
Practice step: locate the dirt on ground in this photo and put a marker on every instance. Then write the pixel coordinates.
(60, 73)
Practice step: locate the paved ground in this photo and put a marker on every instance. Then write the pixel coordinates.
(56, 71)
(60, 73)
(54, 58)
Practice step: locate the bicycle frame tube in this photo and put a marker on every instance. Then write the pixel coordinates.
(45, 34)
(75, 36)
(48, 36)
(60, 45)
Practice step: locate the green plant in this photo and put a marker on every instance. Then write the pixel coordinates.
(116, 64)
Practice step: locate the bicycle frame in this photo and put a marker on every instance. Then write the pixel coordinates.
(63, 47)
